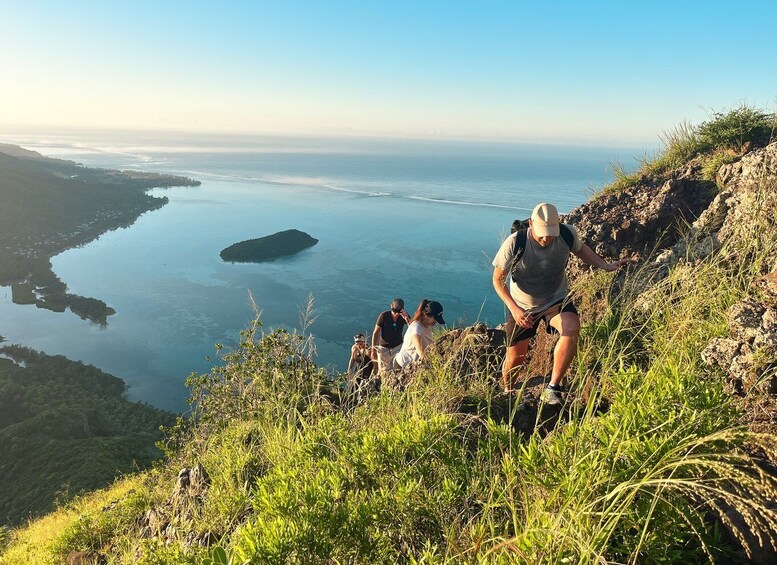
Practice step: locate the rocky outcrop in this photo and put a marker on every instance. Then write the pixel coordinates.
(168, 519)
(475, 350)
(642, 218)
(745, 207)
(749, 355)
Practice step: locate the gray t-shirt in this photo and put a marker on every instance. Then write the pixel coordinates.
(541, 272)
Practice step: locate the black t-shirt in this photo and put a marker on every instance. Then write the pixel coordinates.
(390, 329)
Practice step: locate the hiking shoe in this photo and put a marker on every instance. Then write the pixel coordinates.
(552, 395)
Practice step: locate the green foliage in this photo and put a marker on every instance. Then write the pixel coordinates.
(65, 428)
(5, 538)
(737, 128)
(95, 531)
(218, 556)
(718, 140)
(363, 494)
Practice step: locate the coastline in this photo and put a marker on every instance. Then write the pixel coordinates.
(72, 205)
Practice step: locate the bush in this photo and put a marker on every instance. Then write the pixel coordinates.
(737, 129)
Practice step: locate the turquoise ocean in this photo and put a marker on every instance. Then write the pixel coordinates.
(395, 218)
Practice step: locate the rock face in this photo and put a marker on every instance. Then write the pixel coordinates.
(642, 218)
(268, 248)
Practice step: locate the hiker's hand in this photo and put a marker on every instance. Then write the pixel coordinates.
(523, 318)
(615, 265)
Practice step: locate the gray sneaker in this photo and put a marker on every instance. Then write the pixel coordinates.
(552, 395)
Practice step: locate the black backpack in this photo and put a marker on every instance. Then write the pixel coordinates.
(521, 234)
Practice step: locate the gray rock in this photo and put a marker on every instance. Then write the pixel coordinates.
(721, 352)
(769, 320)
(768, 284)
(745, 319)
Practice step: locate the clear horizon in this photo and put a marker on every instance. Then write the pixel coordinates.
(609, 74)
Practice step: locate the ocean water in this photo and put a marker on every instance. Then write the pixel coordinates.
(414, 219)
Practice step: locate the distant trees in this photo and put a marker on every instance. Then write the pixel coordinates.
(66, 427)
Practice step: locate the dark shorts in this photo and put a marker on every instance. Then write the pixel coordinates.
(516, 333)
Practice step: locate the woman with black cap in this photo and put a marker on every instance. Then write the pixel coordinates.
(419, 333)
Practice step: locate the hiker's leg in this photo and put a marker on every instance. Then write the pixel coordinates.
(392, 354)
(514, 359)
(567, 324)
(384, 358)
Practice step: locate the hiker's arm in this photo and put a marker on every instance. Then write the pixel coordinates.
(376, 336)
(590, 256)
(351, 360)
(419, 346)
(521, 317)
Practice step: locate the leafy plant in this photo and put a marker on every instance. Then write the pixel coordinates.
(735, 130)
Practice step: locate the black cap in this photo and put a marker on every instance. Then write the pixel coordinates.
(435, 309)
(397, 304)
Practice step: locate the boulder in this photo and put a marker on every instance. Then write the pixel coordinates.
(768, 285)
(749, 356)
(475, 350)
(721, 352)
(744, 318)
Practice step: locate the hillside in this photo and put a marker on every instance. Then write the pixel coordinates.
(664, 452)
(65, 428)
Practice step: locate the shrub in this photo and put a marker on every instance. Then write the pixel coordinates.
(737, 129)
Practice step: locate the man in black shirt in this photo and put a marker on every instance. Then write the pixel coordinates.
(387, 337)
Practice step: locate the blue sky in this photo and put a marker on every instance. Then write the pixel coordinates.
(543, 71)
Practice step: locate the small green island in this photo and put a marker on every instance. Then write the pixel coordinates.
(268, 248)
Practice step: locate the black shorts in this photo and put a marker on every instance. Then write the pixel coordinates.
(516, 333)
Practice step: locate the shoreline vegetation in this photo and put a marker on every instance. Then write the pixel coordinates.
(268, 248)
(65, 427)
(51, 205)
(654, 458)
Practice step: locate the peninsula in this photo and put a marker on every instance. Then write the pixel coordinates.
(268, 248)
(50, 205)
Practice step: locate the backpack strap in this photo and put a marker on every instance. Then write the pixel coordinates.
(566, 235)
(520, 243)
(520, 240)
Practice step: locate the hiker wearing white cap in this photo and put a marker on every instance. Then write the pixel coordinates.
(534, 260)
(387, 335)
(360, 365)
